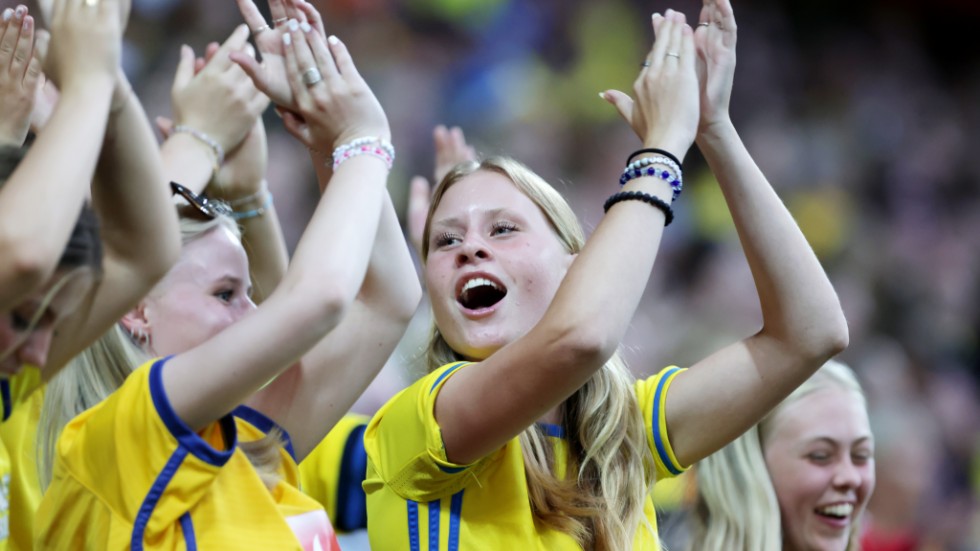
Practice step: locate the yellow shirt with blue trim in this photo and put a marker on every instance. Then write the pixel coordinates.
(417, 499)
(19, 401)
(333, 473)
(129, 474)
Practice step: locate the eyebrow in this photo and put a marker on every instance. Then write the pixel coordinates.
(457, 222)
(831, 441)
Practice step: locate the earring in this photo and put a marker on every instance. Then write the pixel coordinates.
(140, 336)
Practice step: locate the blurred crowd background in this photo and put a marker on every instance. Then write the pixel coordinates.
(865, 116)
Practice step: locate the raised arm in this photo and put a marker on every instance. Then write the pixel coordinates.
(330, 261)
(481, 408)
(721, 396)
(82, 59)
(139, 230)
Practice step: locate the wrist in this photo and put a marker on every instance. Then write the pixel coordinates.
(675, 145)
(121, 92)
(243, 197)
(714, 130)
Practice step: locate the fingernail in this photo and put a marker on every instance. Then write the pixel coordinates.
(602, 95)
(287, 39)
(293, 25)
(333, 39)
(669, 12)
(305, 26)
(20, 11)
(655, 15)
(7, 14)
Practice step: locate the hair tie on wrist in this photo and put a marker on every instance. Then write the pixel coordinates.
(667, 154)
(646, 198)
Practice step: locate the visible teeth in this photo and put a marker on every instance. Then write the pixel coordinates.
(839, 510)
(478, 282)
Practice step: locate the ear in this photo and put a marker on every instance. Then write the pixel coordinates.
(135, 321)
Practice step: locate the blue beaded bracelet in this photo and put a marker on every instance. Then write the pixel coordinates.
(633, 171)
(254, 212)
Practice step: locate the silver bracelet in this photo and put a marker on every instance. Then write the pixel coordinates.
(219, 152)
(266, 205)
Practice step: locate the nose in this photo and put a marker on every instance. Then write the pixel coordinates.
(847, 475)
(34, 350)
(471, 250)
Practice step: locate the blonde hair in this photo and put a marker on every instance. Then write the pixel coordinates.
(603, 506)
(736, 504)
(104, 366)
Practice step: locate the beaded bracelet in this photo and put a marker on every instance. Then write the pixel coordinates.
(377, 147)
(219, 152)
(636, 170)
(266, 205)
(646, 198)
(656, 151)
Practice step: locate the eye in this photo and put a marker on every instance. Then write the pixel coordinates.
(502, 227)
(861, 457)
(447, 239)
(18, 322)
(225, 296)
(819, 457)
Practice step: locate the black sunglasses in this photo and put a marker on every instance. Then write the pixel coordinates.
(201, 203)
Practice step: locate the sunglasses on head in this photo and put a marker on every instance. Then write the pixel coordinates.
(200, 203)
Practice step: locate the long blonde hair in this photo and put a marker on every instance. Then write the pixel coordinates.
(736, 505)
(602, 508)
(104, 366)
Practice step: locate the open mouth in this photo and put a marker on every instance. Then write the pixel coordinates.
(480, 293)
(837, 511)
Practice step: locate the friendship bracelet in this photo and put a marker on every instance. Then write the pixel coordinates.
(266, 205)
(673, 176)
(219, 152)
(247, 199)
(646, 198)
(667, 154)
(376, 147)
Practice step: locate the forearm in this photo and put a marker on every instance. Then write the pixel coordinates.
(391, 284)
(131, 195)
(799, 305)
(53, 179)
(187, 161)
(264, 243)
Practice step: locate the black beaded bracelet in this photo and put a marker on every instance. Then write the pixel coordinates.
(656, 151)
(646, 198)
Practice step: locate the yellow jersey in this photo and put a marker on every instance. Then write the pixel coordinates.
(417, 499)
(20, 405)
(333, 474)
(130, 474)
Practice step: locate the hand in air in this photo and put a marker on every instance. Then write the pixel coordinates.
(20, 75)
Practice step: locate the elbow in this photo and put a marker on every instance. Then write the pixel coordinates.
(26, 268)
(408, 302)
(582, 346)
(324, 305)
(822, 340)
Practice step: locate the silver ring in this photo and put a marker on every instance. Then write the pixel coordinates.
(646, 63)
(311, 76)
(673, 54)
(263, 28)
(280, 21)
(91, 3)
(704, 24)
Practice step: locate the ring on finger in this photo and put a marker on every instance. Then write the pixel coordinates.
(261, 29)
(91, 3)
(280, 21)
(673, 54)
(311, 76)
(646, 63)
(705, 24)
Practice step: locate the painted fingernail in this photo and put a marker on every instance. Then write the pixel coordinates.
(287, 39)
(293, 25)
(333, 40)
(305, 26)
(7, 14)
(669, 12)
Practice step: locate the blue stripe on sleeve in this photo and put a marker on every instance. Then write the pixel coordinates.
(434, 525)
(655, 417)
(455, 510)
(413, 525)
(444, 375)
(186, 437)
(556, 431)
(187, 525)
(8, 407)
(262, 422)
(351, 501)
(153, 497)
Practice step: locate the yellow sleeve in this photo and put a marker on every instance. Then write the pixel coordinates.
(139, 458)
(16, 389)
(651, 394)
(18, 436)
(334, 472)
(405, 448)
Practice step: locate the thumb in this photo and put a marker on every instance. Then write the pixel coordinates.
(419, 199)
(165, 126)
(185, 69)
(297, 127)
(622, 102)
